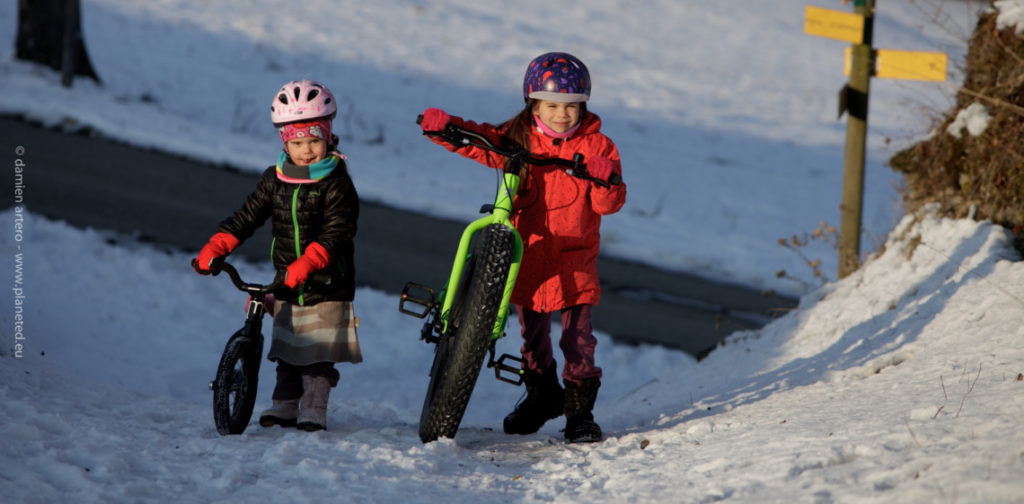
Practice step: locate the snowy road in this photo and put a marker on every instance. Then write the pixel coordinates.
(169, 200)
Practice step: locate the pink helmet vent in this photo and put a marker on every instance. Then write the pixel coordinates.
(303, 100)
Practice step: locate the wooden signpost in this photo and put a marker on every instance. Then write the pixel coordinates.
(862, 63)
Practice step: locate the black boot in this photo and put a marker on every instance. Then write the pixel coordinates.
(579, 405)
(544, 399)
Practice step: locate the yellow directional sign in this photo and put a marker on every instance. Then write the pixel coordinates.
(911, 65)
(915, 65)
(834, 24)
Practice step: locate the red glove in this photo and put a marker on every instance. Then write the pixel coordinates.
(315, 258)
(600, 167)
(220, 245)
(434, 119)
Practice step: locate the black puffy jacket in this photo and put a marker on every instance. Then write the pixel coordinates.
(325, 212)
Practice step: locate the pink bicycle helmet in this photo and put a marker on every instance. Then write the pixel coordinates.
(303, 100)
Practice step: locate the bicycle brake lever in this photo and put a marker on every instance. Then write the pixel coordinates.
(613, 179)
(583, 174)
(577, 160)
(579, 170)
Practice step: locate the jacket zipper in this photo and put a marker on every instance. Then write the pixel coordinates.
(295, 227)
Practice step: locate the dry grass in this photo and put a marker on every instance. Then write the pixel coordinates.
(976, 176)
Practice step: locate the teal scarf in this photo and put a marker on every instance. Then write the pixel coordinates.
(290, 172)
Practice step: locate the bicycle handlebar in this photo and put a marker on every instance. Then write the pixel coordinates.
(461, 137)
(220, 264)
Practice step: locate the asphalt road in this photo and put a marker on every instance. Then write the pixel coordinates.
(91, 182)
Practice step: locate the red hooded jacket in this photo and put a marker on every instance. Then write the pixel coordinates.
(558, 216)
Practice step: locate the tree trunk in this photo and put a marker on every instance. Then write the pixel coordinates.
(50, 32)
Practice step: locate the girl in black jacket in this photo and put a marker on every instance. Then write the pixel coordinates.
(313, 208)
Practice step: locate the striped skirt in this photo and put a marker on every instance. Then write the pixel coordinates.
(324, 332)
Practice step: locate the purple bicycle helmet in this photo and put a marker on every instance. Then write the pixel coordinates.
(558, 77)
(303, 100)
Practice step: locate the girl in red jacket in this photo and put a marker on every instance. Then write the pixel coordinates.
(559, 218)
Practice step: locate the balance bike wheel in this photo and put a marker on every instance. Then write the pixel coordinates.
(234, 388)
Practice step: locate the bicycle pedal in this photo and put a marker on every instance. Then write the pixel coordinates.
(419, 295)
(517, 371)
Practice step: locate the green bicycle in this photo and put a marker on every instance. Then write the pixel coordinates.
(468, 315)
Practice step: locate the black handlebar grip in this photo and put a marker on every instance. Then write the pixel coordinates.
(419, 119)
(615, 179)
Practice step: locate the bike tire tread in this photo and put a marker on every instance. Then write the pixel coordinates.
(448, 398)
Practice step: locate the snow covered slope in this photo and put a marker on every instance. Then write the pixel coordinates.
(900, 383)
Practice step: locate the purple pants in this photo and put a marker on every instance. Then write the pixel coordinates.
(577, 342)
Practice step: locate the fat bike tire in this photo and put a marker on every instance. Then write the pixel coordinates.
(235, 386)
(459, 357)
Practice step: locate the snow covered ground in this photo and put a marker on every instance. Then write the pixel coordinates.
(900, 383)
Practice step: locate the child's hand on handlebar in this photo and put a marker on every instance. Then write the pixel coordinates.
(316, 257)
(298, 272)
(220, 245)
(434, 120)
(600, 167)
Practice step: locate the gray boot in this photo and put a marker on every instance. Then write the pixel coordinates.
(282, 413)
(313, 404)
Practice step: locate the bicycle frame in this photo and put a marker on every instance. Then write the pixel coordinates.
(501, 214)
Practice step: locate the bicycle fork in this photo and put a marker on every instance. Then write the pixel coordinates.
(253, 327)
(439, 306)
